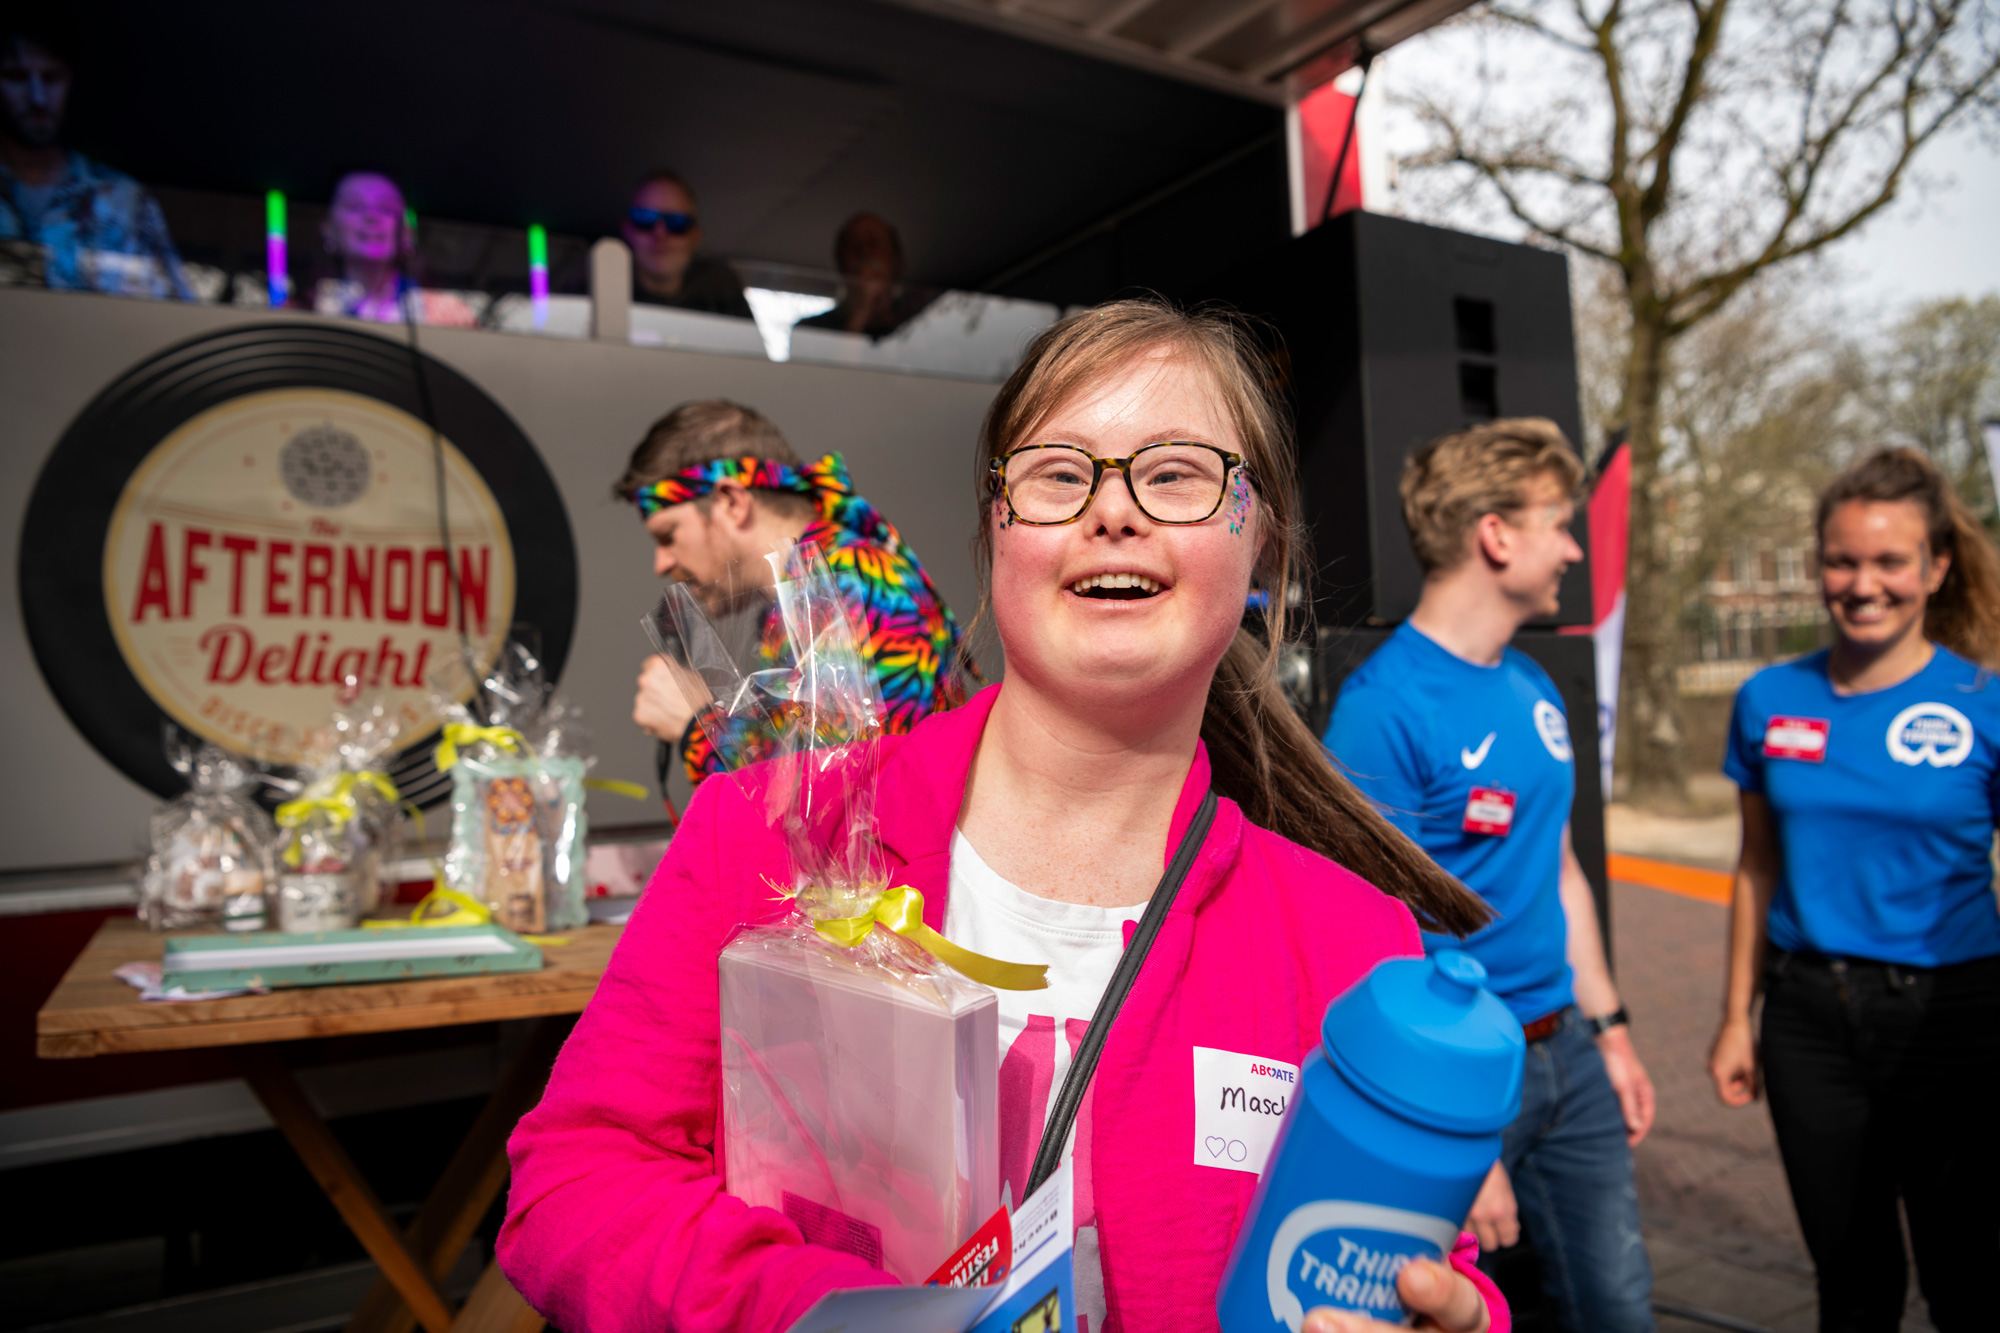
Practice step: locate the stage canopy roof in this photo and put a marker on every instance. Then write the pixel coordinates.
(986, 130)
(1263, 49)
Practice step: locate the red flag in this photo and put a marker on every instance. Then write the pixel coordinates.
(1610, 527)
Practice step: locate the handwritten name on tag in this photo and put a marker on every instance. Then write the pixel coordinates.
(1239, 1102)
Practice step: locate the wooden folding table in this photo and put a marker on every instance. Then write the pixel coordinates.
(92, 1013)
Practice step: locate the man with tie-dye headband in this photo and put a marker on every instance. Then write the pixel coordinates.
(719, 488)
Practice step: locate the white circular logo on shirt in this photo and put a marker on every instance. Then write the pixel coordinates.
(1553, 730)
(1931, 734)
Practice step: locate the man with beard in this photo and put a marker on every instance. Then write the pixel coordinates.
(719, 489)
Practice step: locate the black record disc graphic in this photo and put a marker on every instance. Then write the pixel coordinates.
(69, 517)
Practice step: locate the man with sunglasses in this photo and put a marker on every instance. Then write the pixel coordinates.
(718, 489)
(663, 229)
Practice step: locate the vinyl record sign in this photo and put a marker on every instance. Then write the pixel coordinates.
(237, 525)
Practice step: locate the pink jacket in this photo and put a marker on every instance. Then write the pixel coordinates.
(616, 1219)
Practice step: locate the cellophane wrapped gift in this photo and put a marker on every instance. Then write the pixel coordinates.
(859, 1071)
(211, 858)
(339, 823)
(518, 755)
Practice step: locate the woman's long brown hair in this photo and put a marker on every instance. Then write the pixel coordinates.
(1260, 752)
(1964, 613)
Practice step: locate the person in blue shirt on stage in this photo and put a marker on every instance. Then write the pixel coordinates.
(1864, 909)
(68, 221)
(1462, 742)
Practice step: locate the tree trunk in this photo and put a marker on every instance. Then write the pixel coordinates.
(1652, 613)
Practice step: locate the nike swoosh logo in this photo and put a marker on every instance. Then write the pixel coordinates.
(1474, 758)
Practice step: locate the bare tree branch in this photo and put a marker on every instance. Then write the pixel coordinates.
(1526, 22)
(1702, 298)
(1693, 147)
(1707, 33)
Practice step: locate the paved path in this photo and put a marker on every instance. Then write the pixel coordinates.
(1719, 1220)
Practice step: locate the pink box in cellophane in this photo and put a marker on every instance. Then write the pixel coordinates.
(860, 1071)
(859, 1093)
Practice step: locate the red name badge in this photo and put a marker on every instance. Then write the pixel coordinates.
(1489, 810)
(1796, 738)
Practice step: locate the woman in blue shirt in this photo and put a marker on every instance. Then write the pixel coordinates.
(1864, 905)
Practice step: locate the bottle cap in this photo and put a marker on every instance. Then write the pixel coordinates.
(1423, 1038)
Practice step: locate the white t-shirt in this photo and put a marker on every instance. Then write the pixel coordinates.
(1040, 1030)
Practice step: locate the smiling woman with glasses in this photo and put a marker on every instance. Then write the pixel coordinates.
(663, 230)
(1138, 722)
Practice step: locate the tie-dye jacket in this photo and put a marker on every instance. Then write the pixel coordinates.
(913, 638)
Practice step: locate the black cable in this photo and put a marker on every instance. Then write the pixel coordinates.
(429, 411)
(1347, 139)
(1082, 1065)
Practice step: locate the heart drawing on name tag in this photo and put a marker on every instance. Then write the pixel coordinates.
(1240, 1103)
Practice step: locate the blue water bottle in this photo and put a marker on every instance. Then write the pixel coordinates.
(1380, 1156)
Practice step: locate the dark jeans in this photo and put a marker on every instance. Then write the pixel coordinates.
(1572, 1176)
(1882, 1082)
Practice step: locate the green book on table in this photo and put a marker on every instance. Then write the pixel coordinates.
(271, 959)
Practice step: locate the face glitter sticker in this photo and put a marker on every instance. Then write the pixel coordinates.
(1239, 500)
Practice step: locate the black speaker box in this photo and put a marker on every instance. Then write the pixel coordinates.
(1394, 333)
(1571, 663)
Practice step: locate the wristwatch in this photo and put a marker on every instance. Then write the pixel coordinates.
(1602, 1024)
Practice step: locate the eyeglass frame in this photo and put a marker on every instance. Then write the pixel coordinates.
(997, 468)
(662, 217)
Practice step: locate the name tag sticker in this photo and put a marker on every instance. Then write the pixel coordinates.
(1489, 810)
(1239, 1102)
(1796, 738)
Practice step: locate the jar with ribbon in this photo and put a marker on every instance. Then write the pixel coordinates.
(211, 848)
(519, 758)
(339, 821)
(860, 1047)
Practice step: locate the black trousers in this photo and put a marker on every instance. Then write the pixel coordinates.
(1882, 1083)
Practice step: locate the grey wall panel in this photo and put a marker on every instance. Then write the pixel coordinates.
(908, 439)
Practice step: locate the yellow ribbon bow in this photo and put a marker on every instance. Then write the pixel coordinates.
(466, 733)
(466, 911)
(334, 797)
(902, 910)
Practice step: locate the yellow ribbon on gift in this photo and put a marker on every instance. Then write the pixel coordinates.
(902, 910)
(466, 911)
(333, 797)
(457, 734)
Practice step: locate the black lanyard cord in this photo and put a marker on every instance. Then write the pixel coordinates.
(1070, 1100)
